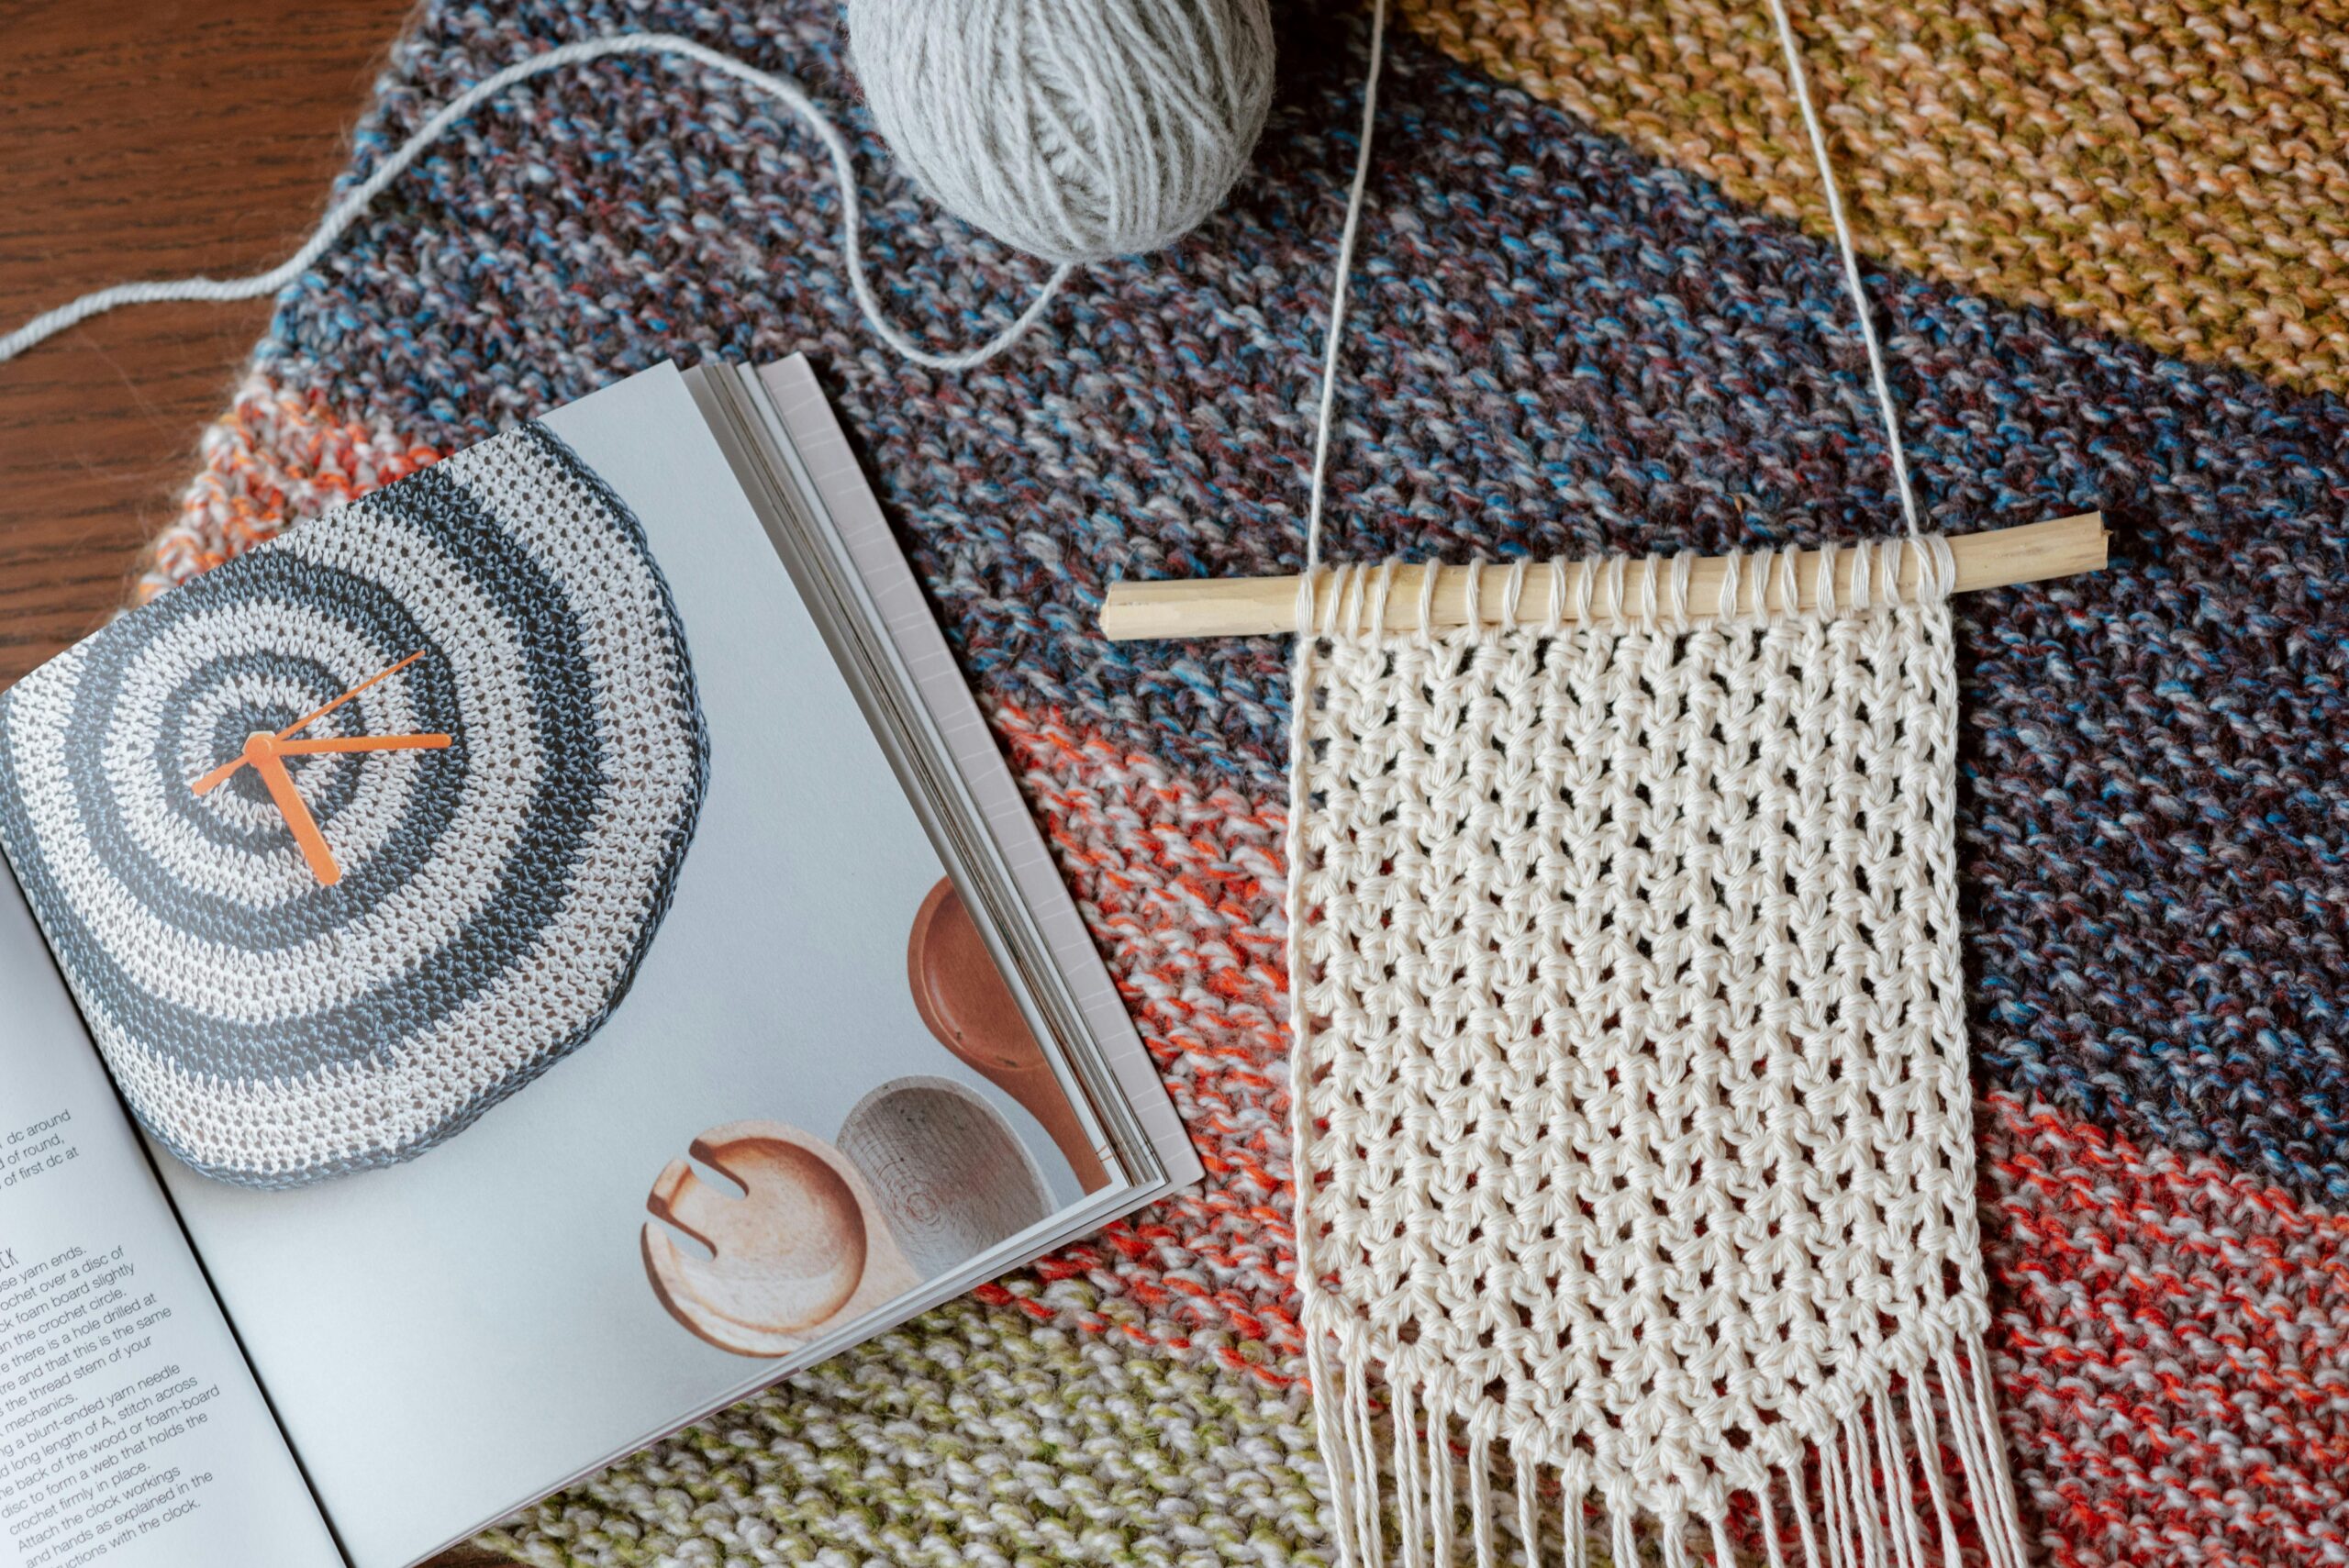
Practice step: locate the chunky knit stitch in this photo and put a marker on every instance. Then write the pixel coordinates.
(2172, 172)
(1561, 345)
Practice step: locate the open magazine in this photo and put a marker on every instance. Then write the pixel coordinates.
(503, 970)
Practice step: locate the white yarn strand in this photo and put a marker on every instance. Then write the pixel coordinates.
(1793, 50)
(670, 49)
(1337, 282)
(1528, 1518)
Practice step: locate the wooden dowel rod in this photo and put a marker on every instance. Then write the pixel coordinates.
(1250, 606)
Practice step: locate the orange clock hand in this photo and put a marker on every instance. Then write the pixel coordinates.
(363, 743)
(228, 770)
(263, 753)
(306, 720)
(217, 777)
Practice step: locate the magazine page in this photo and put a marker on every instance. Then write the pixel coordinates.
(622, 1043)
(131, 1430)
(841, 519)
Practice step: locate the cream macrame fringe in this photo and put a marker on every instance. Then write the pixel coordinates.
(1872, 1493)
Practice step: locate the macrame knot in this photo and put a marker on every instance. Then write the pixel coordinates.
(1389, 598)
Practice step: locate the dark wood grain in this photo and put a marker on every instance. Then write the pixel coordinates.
(147, 138)
(144, 140)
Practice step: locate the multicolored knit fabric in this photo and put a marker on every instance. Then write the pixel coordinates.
(1582, 321)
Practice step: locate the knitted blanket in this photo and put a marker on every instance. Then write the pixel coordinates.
(1593, 313)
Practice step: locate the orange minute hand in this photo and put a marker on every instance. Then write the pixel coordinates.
(228, 770)
(363, 743)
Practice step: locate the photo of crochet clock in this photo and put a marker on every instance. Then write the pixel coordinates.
(350, 838)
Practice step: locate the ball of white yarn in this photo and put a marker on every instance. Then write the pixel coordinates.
(1074, 130)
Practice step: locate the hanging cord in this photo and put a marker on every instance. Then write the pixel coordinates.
(670, 49)
(1881, 378)
(1788, 42)
(1361, 1473)
(1338, 284)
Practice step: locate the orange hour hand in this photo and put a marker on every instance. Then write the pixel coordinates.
(227, 770)
(359, 743)
(304, 828)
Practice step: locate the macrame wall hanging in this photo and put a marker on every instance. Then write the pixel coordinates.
(1633, 1118)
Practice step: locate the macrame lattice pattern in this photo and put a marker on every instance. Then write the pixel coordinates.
(1634, 1112)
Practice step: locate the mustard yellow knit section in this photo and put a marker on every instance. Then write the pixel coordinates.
(2172, 170)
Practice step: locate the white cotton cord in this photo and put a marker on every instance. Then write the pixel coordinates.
(1793, 48)
(667, 47)
(1338, 284)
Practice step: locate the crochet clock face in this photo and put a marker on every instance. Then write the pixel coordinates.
(312, 942)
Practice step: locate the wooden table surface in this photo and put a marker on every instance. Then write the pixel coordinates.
(146, 138)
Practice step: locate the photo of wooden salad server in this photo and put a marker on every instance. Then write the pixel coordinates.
(803, 1246)
(964, 1000)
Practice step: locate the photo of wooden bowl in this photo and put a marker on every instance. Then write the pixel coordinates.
(924, 1175)
(951, 1176)
(964, 998)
